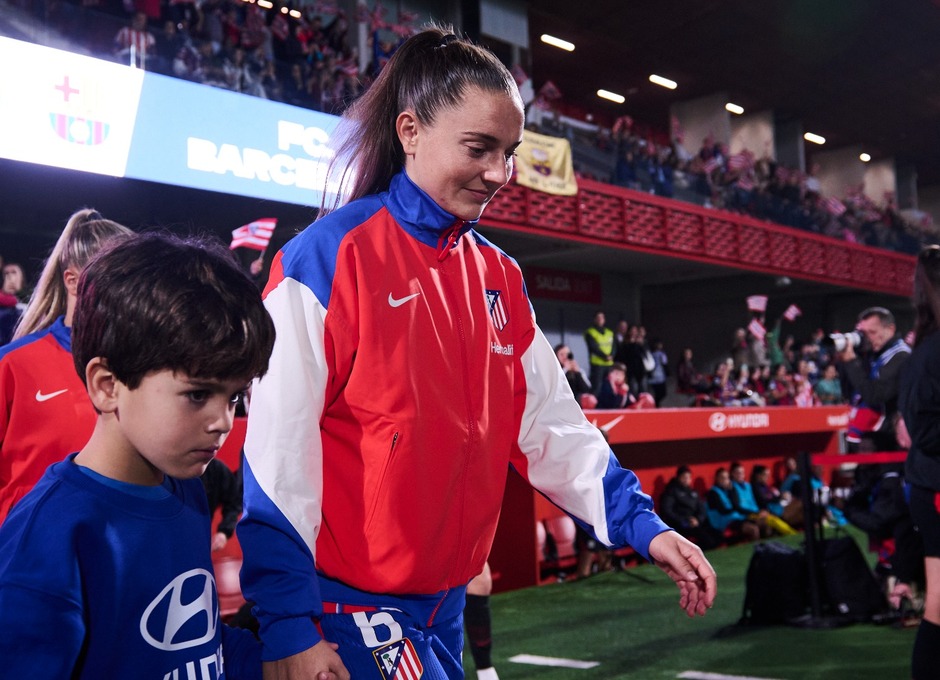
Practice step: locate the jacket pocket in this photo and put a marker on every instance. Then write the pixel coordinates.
(379, 490)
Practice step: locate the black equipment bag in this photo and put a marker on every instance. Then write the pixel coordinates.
(776, 585)
(850, 586)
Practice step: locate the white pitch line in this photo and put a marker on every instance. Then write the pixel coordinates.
(536, 660)
(700, 675)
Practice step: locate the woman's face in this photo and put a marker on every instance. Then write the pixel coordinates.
(466, 155)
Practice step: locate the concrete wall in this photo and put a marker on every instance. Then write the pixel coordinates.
(754, 132)
(842, 168)
(567, 321)
(701, 118)
(881, 178)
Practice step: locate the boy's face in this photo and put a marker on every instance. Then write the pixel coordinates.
(173, 424)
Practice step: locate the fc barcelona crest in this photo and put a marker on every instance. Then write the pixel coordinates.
(399, 661)
(498, 312)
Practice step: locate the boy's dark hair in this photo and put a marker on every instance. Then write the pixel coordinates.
(157, 301)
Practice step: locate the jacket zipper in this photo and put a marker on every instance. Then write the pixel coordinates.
(448, 239)
(468, 397)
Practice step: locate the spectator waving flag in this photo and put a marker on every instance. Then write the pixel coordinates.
(711, 165)
(740, 161)
(746, 182)
(792, 312)
(547, 94)
(255, 235)
(757, 329)
(280, 28)
(524, 82)
(833, 205)
(757, 303)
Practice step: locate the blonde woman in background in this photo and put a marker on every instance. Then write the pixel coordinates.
(43, 403)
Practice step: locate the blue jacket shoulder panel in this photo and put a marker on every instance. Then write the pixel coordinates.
(310, 257)
(61, 332)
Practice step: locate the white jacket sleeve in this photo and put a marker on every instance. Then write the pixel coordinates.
(283, 476)
(567, 459)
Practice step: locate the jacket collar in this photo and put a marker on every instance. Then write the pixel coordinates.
(62, 333)
(418, 214)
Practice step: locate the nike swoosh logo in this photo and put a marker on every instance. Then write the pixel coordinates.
(46, 397)
(400, 301)
(609, 426)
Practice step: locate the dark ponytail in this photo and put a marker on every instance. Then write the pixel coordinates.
(430, 71)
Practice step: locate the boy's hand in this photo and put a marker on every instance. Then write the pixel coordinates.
(218, 541)
(684, 563)
(320, 662)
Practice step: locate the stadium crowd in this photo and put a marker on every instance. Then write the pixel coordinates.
(627, 371)
(305, 57)
(639, 157)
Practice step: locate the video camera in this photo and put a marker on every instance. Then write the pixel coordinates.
(840, 341)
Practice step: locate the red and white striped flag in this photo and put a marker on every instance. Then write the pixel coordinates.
(756, 329)
(280, 28)
(746, 182)
(792, 312)
(739, 161)
(711, 165)
(255, 235)
(833, 205)
(757, 303)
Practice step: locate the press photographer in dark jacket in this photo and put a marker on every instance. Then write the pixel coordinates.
(874, 379)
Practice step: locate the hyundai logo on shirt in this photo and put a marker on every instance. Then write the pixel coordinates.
(184, 614)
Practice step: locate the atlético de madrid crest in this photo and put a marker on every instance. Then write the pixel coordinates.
(399, 661)
(498, 312)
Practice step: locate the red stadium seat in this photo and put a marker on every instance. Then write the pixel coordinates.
(562, 529)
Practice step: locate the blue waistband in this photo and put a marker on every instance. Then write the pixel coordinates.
(425, 609)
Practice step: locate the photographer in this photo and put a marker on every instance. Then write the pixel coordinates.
(873, 379)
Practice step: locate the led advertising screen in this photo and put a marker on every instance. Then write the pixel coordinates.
(80, 113)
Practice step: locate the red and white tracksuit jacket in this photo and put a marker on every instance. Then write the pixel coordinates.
(407, 375)
(45, 412)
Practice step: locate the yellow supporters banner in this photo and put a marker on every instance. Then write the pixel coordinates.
(544, 163)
